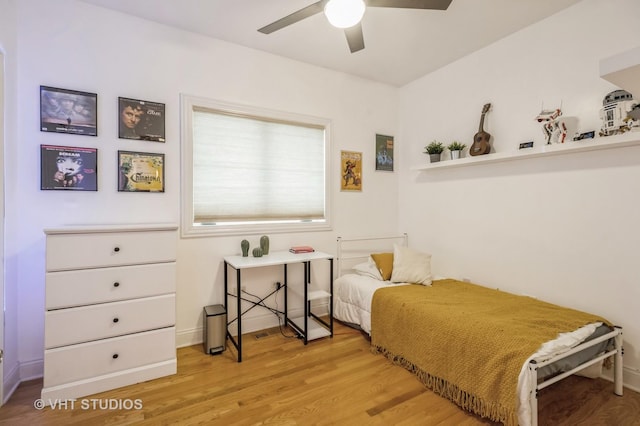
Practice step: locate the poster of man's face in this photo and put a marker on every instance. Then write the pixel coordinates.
(68, 111)
(68, 168)
(141, 120)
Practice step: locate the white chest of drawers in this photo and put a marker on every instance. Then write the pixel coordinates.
(109, 307)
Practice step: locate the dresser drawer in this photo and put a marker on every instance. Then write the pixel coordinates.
(89, 286)
(93, 322)
(102, 249)
(87, 360)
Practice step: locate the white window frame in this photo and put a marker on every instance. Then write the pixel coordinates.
(189, 228)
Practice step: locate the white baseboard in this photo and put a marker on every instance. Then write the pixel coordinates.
(251, 324)
(21, 372)
(31, 370)
(11, 382)
(630, 378)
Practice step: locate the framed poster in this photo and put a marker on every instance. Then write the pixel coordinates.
(140, 172)
(68, 168)
(142, 120)
(68, 111)
(384, 153)
(351, 169)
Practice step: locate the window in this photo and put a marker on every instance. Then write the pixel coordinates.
(249, 170)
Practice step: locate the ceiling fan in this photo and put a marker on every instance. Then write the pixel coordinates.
(347, 14)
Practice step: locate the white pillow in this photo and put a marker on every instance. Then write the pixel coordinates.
(410, 266)
(368, 269)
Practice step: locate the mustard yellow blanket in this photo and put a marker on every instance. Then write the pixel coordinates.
(466, 342)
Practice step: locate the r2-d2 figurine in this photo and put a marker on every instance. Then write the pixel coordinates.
(619, 113)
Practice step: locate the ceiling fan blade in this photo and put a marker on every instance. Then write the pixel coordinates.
(411, 4)
(355, 38)
(299, 15)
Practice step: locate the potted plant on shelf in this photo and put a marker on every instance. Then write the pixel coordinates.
(434, 149)
(455, 148)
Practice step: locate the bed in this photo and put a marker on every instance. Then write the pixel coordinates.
(488, 351)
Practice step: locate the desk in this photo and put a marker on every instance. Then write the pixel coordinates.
(310, 326)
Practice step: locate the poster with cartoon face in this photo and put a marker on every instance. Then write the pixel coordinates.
(351, 179)
(68, 168)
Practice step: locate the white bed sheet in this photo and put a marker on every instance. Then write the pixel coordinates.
(352, 297)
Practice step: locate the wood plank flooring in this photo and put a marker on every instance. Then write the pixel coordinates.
(328, 382)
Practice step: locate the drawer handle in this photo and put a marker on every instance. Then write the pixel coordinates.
(116, 284)
(115, 356)
(116, 249)
(116, 319)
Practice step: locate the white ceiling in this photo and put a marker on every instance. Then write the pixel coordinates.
(400, 44)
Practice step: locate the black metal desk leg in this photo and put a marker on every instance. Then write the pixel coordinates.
(239, 300)
(307, 303)
(286, 289)
(331, 297)
(225, 286)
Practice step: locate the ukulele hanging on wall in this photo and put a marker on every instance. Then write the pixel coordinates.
(481, 144)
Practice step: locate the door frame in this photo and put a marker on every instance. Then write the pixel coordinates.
(2, 216)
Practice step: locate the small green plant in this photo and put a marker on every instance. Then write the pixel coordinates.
(456, 146)
(434, 147)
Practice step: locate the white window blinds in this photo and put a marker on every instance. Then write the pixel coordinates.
(249, 169)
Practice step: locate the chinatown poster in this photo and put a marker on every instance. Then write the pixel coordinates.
(140, 172)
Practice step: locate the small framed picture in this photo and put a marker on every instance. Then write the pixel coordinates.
(141, 120)
(384, 153)
(351, 179)
(68, 168)
(68, 111)
(140, 172)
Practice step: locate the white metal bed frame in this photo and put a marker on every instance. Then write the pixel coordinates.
(533, 365)
(616, 352)
(361, 253)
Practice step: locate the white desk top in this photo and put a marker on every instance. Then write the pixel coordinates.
(274, 258)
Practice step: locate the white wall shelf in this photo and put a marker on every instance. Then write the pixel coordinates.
(596, 144)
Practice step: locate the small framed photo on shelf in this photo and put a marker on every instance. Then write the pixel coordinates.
(68, 168)
(384, 153)
(141, 120)
(525, 145)
(140, 172)
(68, 111)
(351, 168)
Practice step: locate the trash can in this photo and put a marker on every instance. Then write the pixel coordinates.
(215, 329)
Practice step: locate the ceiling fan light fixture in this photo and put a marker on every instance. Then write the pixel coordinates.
(344, 13)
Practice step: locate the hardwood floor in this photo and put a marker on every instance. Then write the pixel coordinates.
(328, 382)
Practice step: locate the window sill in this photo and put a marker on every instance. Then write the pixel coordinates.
(189, 230)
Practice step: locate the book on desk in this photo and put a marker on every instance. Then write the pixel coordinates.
(301, 249)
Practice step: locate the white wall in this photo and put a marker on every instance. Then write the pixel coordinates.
(560, 228)
(73, 45)
(552, 227)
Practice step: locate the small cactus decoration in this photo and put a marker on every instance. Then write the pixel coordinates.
(264, 244)
(257, 252)
(244, 245)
